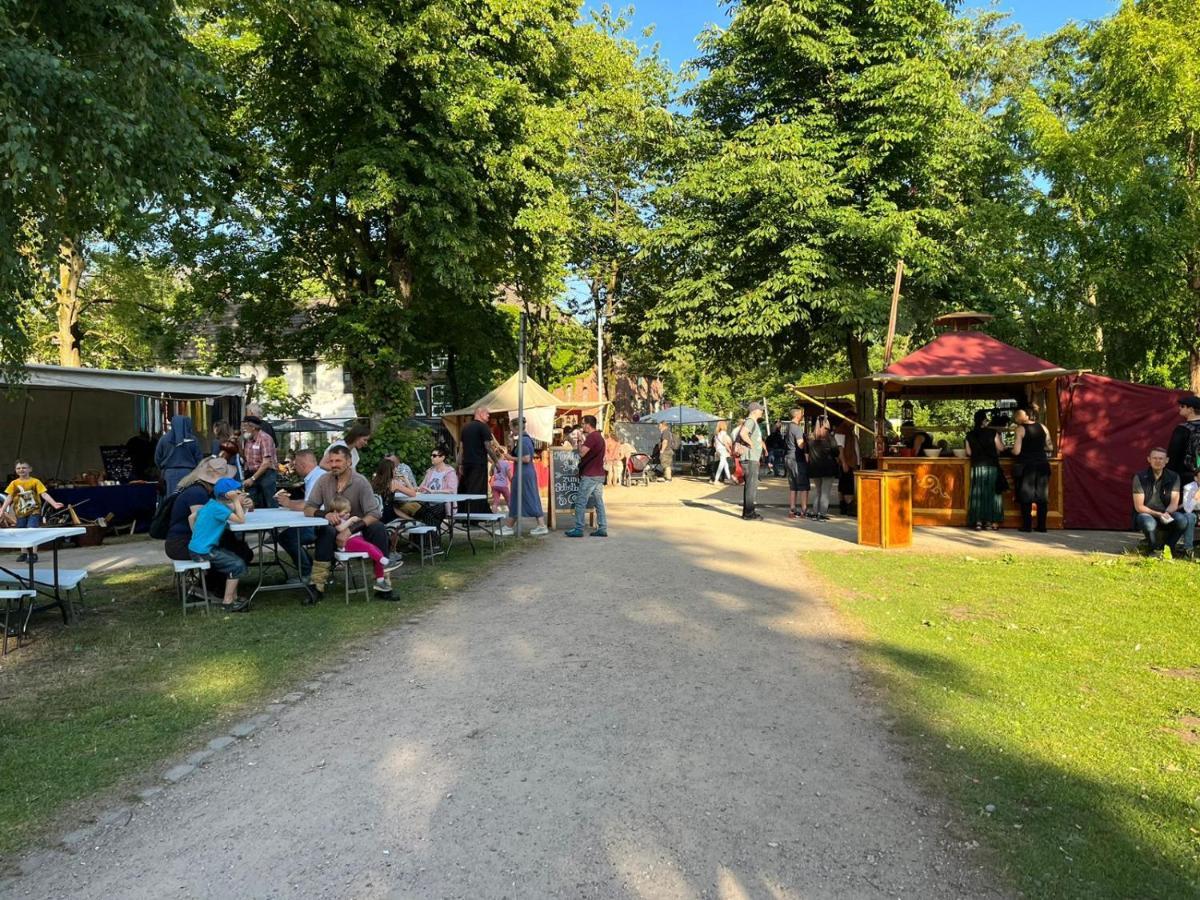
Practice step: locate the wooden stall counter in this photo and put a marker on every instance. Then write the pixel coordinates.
(884, 508)
(941, 486)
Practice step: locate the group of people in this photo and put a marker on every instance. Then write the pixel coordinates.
(1165, 492)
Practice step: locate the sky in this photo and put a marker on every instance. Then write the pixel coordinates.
(677, 22)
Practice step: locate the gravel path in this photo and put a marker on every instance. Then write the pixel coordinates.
(668, 713)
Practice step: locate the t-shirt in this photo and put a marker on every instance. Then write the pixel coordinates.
(793, 441)
(591, 460)
(1179, 449)
(502, 477)
(210, 525)
(195, 495)
(27, 496)
(475, 439)
(1156, 495)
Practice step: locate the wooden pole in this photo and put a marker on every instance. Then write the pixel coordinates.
(891, 332)
(829, 409)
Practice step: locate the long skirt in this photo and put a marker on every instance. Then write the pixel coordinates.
(984, 506)
(531, 500)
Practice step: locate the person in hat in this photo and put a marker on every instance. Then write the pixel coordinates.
(748, 447)
(1184, 445)
(209, 524)
(195, 490)
(258, 462)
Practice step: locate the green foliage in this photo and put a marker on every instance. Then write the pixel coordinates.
(393, 434)
(101, 113)
(278, 402)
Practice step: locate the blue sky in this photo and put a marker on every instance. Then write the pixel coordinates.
(677, 22)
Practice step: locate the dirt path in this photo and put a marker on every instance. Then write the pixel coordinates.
(667, 713)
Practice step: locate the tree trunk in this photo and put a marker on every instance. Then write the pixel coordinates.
(1193, 269)
(1090, 298)
(66, 297)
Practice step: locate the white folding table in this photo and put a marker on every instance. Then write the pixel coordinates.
(433, 497)
(43, 581)
(276, 522)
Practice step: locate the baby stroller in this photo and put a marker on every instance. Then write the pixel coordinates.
(637, 470)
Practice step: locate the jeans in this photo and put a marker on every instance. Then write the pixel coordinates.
(591, 487)
(750, 488)
(722, 466)
(822, 489)
(262, 492)
(34, 521)
(776, 457)
(224, 561)
(1182, 524)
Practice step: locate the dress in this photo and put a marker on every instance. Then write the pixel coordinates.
(531, 501)
(984, 505)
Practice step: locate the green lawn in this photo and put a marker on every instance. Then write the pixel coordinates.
(134, 683)
(1063, 692)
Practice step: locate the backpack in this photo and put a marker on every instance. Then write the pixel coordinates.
(673, 442)
(161, 522)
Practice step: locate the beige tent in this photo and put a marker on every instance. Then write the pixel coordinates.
(541, 407)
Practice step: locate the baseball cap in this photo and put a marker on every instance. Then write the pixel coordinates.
(224, 486)
(1190, 402)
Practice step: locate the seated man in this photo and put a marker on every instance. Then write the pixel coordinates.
(1156, 506)
(304, 462)
(342, 481)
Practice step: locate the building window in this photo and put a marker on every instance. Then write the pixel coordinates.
(419, 406)
(308, 377)
(274, 369)
(437, 362)
(439, 400)
(347, 383)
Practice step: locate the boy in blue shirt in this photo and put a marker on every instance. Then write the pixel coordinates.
(208, 524)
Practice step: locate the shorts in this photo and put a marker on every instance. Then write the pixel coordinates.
(797, 474)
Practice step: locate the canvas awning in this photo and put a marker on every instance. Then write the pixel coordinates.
(541, 407)
(155, 384)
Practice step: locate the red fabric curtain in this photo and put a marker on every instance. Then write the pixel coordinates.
(1108, 427)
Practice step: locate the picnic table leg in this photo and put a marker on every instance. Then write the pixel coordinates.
(470, 540)
(261, 567)
(64, 603)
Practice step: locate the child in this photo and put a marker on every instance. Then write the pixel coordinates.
(208, 525)
(25, 495)
(349, 541)
(502, 484)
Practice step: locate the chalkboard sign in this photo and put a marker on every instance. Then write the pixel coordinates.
(118, 465)
(564, 468)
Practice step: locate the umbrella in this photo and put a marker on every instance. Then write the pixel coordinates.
(681, 415)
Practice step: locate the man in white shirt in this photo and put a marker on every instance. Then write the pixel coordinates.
(304, 463)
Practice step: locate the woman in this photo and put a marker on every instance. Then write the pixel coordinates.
(985, 507)
(822, 468)
(724, 448)
(356, 439)
(1031, 467)
(531, 501)
(195, 490)
(440, 478)
(612, 459)
(178, 453)
(225, 445)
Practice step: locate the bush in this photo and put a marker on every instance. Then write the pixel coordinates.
(392, 435)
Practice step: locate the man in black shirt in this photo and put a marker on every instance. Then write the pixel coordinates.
(1185, 440)
(1157, 496)
(476, 447)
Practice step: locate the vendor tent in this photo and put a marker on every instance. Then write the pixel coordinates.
(540, 408)
(681, 415)
(59, 417)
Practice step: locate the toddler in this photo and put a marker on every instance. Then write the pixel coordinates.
(349, 540)
(502, 485)
(208, 526)
(25, 495)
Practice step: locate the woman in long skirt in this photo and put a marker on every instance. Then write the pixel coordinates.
(531, 501)
(985, 508)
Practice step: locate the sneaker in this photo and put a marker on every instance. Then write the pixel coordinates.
(823, 518)
(600, 532)
(505, 531)
(392, 565)
(383, 585)
(315, 595)
(539, 531)
(574, 532)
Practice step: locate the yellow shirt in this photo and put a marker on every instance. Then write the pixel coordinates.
(27, 496)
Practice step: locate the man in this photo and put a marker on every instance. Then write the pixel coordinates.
(666, 449)
(748, 445)
(776, 447)
(255, 409)
(476, 448)
(796, 462)
(258, 459)
(343, 481)
(305, 464)
(1156, 501)
(1185, 441)
(591, 480)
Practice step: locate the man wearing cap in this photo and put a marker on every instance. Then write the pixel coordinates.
(258, 457)
(749, 442)
(1185, 440)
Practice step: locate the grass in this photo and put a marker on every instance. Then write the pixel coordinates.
(1056, 701)
(84, 709)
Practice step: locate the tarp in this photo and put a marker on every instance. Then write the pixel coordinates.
(681, 415)
(1108, 427)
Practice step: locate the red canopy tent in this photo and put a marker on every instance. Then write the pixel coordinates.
(972, 355)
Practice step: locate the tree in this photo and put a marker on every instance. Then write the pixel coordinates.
(828, 140)
(102, 113)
